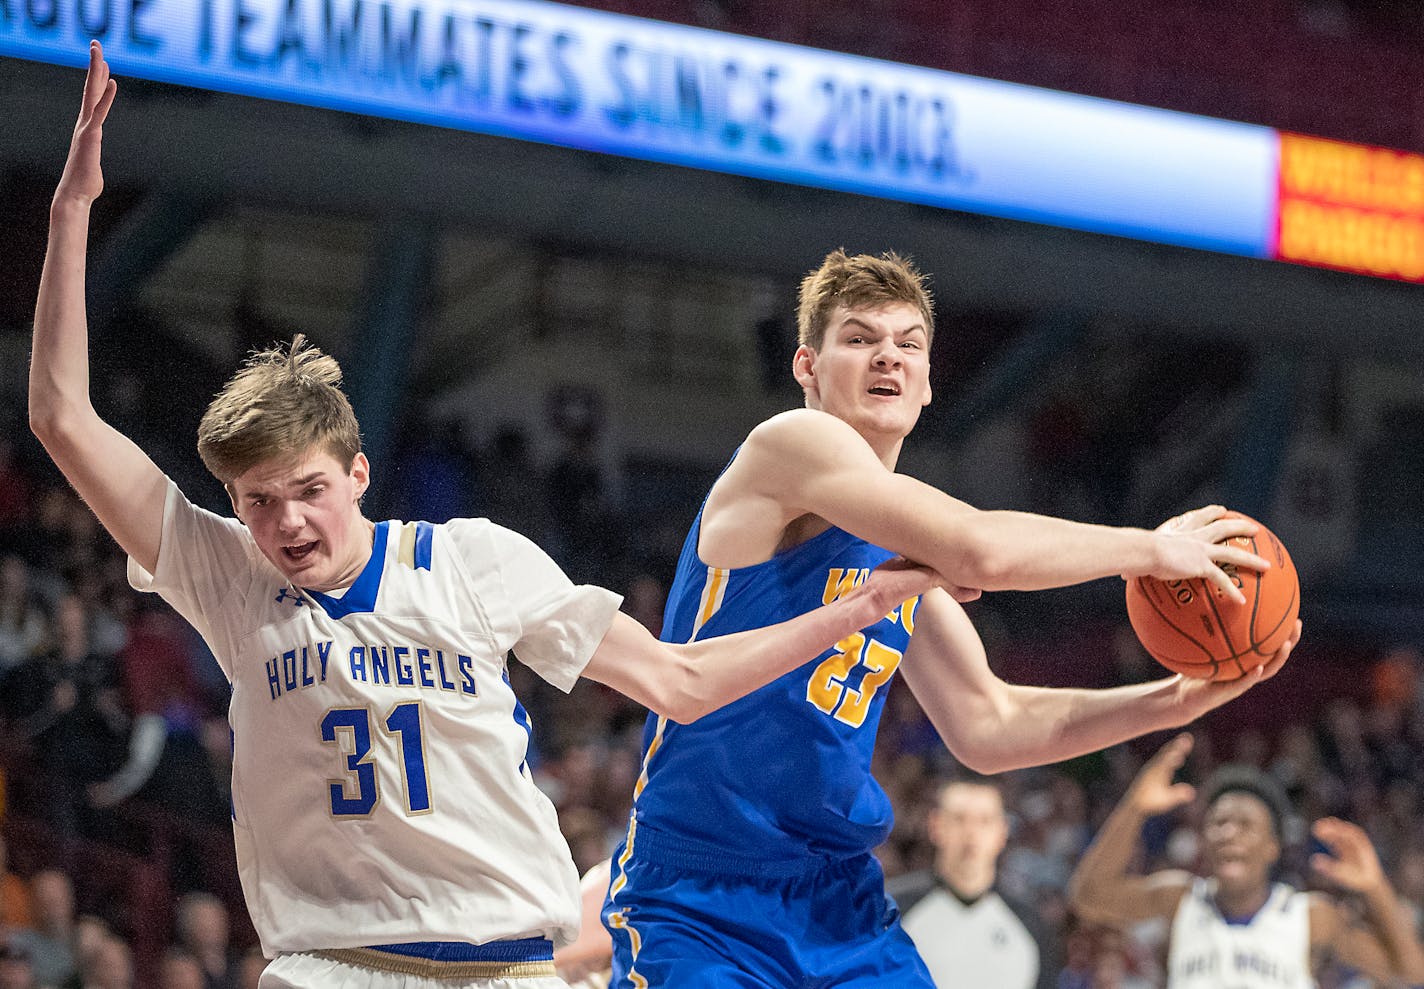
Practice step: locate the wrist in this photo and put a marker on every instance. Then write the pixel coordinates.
(68, 203)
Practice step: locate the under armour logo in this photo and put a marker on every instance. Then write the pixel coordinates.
(285, 594)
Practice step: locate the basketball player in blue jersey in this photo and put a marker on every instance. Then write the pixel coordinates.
(389, 833)
(1235, 926)
(747, 859)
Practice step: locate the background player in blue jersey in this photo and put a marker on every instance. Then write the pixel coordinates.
(389, 833)
(747, 861)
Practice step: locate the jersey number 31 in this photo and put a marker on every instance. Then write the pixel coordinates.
(349, 728)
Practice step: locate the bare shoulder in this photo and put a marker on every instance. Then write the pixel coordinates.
(800, 428)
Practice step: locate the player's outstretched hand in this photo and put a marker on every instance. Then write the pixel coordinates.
(1153, 791)
(1353, 862)
(891, 584)
(1193, 545)
(83, 180)
(1196, 697)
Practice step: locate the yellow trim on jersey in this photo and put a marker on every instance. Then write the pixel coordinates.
(714, 591)
(653, 747)
(427, 968)
(406, 552)
(712, 594)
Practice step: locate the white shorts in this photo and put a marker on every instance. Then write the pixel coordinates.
(312, 971)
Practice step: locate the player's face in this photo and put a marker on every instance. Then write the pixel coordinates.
(872, 369)
(968, 827)
(304, 514)
(1239, 841)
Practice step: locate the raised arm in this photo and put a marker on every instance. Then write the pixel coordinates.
(1101, 887)
(1384, 943)
(115, 478)
(806, 462)
(993, 726)
(684, 682)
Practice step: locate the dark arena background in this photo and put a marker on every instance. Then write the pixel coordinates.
(556, 249)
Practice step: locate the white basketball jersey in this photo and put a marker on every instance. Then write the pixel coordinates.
(380, 794)
(977, 944)
(1271, 951)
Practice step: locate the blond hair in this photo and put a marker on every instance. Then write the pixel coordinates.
(284, 401)
(858, 282)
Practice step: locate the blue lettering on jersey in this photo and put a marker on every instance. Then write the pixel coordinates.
(445, 682)
(293, 669)
(358, 664)
(307, 666)
(405, 676)
(380, 666)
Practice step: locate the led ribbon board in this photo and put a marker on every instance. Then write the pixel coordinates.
(1351, 207)
(662, 92)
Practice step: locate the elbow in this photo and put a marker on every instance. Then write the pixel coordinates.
(51, 421)
(43, 423)
(982, 757)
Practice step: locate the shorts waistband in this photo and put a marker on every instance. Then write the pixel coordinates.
(525, 958)
(660, 848)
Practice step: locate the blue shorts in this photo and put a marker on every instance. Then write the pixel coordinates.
(830, 925)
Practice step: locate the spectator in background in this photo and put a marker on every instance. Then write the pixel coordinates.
(50, 942)
(14, 485)
(167, 707)
(180, 970)
(251, 969)
(90, 935)
(1235, 925)
(966, 930)
(16, 971)
(66, 705)
(22, 622)
(203, 931)
(110, 966)
(16, 904)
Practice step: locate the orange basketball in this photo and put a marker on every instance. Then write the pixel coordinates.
(1191, 627)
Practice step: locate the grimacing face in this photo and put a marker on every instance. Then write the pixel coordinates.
(872, 369)
(304, 514)
(1239, 839)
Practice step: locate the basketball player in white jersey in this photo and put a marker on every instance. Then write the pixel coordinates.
(388, 831)
(965, 930)
(1235, 928)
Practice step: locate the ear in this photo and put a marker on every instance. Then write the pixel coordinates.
(929, 395)
(803, 367)
(361, 474)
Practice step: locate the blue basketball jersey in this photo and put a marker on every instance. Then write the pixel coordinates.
(783, 773)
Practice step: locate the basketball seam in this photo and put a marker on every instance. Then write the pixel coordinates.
(1211, 660)
(1237, 656)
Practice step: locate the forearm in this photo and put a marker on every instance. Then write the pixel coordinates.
(59, 367)
(1393, 924)
(1024, 552)
(1101, 874)
(713, 672)
(1030, 726)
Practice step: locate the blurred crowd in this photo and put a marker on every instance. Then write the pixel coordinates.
(118, 867)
